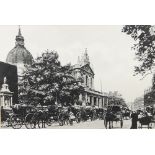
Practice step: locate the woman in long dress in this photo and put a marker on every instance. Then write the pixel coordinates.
(134, 119)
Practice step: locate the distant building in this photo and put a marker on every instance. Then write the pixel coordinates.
(149, 94)
(115, 98)
(90, 96)
(129, 105)
(114, 94)
(138, 103)
(19, 55)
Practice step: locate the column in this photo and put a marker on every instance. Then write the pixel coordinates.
(92, 100)
(3, 100)
(90, 86)
(99, 104)
(0, 101)
(80, 97)
(102, 102)
(86, 97)
(92, 83)
(84, 78)
(11, 101)
(88, 100)
(96, 101)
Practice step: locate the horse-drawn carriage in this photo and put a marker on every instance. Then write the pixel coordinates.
(5, 116)
(113, 114)
(15, 116)
(40, 116)
(87, 113)
(126, 113)
(63, 115)
(28, 115)
(76, 110)
(100, 113)
(145, 120)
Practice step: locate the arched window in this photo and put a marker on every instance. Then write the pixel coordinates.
(91, 84)
(86, 80)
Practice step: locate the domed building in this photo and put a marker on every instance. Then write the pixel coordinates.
(19, 55)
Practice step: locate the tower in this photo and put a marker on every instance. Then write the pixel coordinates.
(19, 55)
(86, 58)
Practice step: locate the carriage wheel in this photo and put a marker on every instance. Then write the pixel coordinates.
(41, 123)
(28, 121)
(49, 121)
(78, 120)
(33, 123)
(16, 122)
(60, 122)
(121, 123)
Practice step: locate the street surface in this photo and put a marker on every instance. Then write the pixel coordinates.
(97, 124)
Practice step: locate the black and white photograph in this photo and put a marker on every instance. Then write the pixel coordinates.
(77, 76)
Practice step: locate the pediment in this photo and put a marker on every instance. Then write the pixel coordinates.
(88, 69)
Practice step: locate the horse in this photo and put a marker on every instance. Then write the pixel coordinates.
(108, 119)
(126, 114)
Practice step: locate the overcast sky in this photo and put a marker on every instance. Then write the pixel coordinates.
(108, 48)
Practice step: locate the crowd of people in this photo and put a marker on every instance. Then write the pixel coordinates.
(144, 117)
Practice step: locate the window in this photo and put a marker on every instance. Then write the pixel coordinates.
(86, 80)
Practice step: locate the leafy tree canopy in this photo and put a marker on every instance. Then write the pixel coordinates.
(46, 81)
(117, 100)
(144, 37)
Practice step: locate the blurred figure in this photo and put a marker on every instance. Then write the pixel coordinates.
(134, 119)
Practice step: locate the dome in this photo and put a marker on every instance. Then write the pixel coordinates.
(19, 54)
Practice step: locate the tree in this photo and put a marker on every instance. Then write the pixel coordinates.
(47, 82)
(116, 100)
(144, 37)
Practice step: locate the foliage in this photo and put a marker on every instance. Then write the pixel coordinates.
(116, 100)
(144, 46)
(46, 81)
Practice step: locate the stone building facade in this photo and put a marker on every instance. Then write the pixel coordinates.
(90, 96)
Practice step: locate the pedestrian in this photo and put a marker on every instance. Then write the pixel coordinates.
(134, 119)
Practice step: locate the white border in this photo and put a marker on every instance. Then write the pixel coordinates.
(76, 12)
(81, 12)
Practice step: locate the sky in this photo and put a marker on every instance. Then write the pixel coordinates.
(108, 48)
